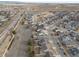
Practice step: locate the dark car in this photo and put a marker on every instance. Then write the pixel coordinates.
(73, 51)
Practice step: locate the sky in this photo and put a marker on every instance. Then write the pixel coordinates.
(47, 1)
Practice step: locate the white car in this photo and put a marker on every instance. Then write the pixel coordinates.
(41, 34)
(0, 24)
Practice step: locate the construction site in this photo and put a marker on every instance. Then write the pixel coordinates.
(39, 30)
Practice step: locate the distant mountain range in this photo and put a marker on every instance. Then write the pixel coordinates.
(46, 4)
(11, 2)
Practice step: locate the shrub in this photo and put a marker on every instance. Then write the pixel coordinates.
(14, 32)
